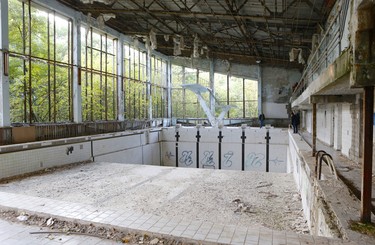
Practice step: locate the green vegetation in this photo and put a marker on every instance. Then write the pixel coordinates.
(41, 75)
(368, 228)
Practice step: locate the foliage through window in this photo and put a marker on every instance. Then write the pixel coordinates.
(238, 92)
(135, 83)
(40, 65)
(98, 84)
(41, 75)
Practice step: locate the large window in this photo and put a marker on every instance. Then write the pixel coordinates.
(158, 87)
(236, 97)
(251, 98)
(178, 93)
(40, 65)
(98, 79)
(41, 75)
(238, 92)
(136, 101)
(191, 101)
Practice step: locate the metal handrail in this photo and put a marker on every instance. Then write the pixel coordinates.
(317, 155)
(324, 49)
(327, 158)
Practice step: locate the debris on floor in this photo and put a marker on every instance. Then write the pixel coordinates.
(181, 193)
(52, 226)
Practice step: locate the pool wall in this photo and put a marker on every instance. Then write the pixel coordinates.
(327, 203)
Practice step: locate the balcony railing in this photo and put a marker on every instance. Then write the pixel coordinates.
(328, 48)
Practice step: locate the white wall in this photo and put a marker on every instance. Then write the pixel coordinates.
(275, 110)
(337, 141)
(335, 127)
(127, 147)
(26, 161)
(324, 120)
(277, 86)
(139, 148)
(346, 129)
(231, 148)
(309, 121)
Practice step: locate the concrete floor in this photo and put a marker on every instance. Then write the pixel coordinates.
(227, 197)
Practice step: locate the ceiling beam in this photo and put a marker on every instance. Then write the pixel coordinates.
(204, 15)
(242, 26)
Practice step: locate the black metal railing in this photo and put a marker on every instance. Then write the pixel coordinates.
(320, 157)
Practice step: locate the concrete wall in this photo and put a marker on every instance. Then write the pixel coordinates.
(339, 126)
(319, 216)
(296, 165)
(231, 148)
(277, 89)
(346, 129)
(220, 66)
(324, 123)
(328, 204)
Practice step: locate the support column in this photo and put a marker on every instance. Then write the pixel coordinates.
(260, 89)
(169, 89)
(148, 90)
(368, 122)
(268, 150)
(198, 136)
(243, 141)
(120, 82)
(314, 129)
(4, 65)
(212, 86)
(183, 92)
(77, 96)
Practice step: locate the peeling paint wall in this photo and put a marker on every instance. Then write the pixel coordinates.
(277, 90)
(313, 199)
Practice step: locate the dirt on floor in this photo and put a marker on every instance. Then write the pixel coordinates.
(53, 228)
(251, 199)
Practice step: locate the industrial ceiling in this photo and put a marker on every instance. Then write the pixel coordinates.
(240, 31)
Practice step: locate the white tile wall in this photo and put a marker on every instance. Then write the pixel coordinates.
(187, 134)
(231, 156)
(278, 158)
(255, 157)
(105, 146)
(187, 155)
(130, 156)
(231, 149)
(168, 153)
(231, 134)
(16, 163)
(208, 155)
(151, 154)
(146, 149)
(150, 137)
